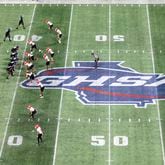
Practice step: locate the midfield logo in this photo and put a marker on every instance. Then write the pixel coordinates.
(110, 83)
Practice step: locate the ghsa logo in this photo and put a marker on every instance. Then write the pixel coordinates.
(109, 84)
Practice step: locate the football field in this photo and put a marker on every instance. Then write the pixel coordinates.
(112, 114)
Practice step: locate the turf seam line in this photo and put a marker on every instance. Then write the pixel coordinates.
(157, 102)
(60, 107)
(16, 87)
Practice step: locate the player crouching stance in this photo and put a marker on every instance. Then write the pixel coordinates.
(29, 65)
(59, 34)
(50, 24)
(39, 133)
(30, 75)
(32, 111)
(32, 45)
(96, 59)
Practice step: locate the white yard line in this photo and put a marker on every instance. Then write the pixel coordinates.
(61, 99)
(109, 112)
(16, 87)
(157, 102)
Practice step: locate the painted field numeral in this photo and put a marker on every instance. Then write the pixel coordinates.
(19, 37)
(15, 140)
(97, 141)
(101, 38)
(120, 141)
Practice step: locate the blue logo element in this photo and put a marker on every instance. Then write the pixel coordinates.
(110, 83)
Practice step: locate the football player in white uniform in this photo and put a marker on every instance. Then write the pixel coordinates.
(42, 87)
(32, 111)
(32, 45)
(29, 66)
(39, 133)
(30, 75)
(59, 35)
(50, 24)
(50, 51)
(46, 58)
(30, 56)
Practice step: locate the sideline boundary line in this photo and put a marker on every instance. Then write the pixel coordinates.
(16, 87)
(157, 102)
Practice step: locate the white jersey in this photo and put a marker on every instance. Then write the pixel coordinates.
(31, 109)
(50, 51)
(31, 43)
(49, 23)
(40, 84)
(39, 130)
(29, 64)
(46, 58)
(58, 31)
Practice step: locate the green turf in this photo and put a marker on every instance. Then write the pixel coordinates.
(79, 123)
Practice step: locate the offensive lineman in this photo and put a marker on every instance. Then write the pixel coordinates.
(32, 45)
(30, 75)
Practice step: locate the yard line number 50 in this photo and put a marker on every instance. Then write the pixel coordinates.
(119, 141)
